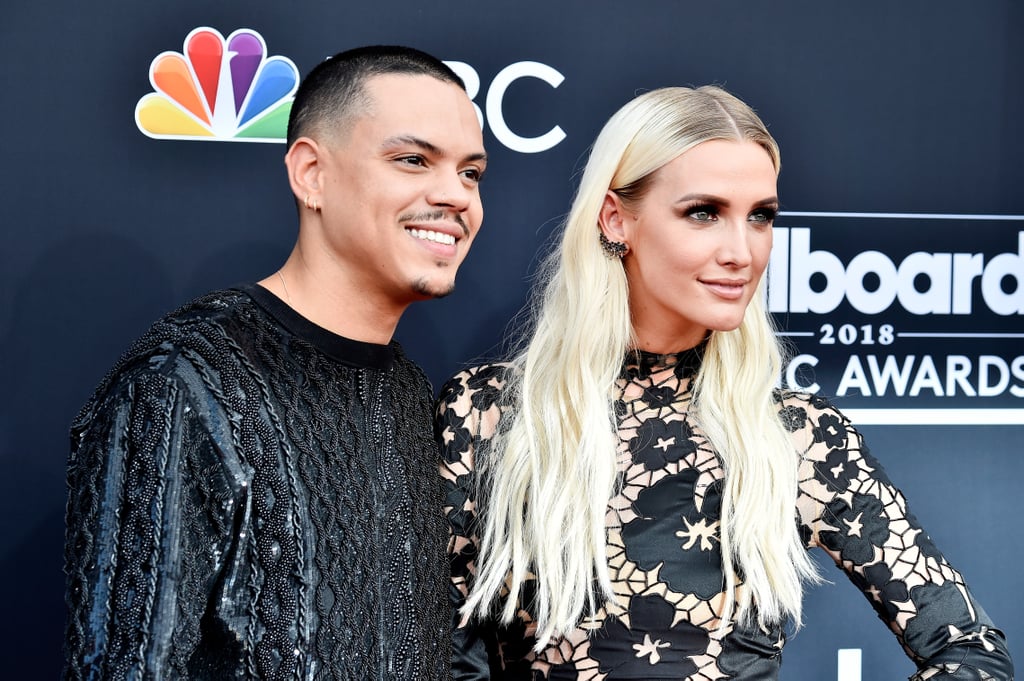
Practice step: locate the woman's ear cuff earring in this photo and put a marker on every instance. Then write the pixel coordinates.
(613, 249)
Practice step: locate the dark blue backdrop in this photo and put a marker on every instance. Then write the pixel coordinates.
(881, 108)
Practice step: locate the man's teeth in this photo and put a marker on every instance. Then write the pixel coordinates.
(429, 235)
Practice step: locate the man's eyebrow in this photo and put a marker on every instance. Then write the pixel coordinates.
(433, 149)
(403, 140)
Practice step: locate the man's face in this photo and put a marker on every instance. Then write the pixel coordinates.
(401, 201)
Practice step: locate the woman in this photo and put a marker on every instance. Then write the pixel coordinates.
(631, 497)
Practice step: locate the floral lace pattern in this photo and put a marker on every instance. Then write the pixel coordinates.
(663, 548)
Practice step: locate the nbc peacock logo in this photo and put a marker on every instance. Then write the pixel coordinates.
(220, 90)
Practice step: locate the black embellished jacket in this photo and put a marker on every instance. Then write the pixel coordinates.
(254, 497)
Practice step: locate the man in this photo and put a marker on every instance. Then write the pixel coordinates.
(253, 487)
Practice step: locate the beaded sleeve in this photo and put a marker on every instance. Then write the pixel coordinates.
(150, 513)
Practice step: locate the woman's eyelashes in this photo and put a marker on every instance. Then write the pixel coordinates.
(765, 214)
(703, 212)
(709, 213)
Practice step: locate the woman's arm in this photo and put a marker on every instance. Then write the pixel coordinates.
(861, 519)
(467, 414)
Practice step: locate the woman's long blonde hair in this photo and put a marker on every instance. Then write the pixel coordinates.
(548, 477)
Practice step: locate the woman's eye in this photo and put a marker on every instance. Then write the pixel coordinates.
(701, 214)
(763, 216)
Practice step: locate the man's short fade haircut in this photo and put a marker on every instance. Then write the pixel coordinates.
(336, 86)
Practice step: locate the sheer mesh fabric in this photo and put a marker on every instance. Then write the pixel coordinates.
(663, 552)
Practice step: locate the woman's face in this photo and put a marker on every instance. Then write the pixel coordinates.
(699, 242)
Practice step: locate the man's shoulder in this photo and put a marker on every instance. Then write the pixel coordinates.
(194, 327)
(216, 308)
(411, 373)
(203, 331)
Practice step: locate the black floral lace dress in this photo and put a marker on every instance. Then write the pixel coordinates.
(663, 546)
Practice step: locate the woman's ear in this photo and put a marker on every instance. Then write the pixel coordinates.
(612, 218)
(304, 171)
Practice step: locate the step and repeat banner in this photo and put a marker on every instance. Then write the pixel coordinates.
(142, 165)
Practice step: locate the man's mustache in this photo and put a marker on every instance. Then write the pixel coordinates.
(435, 215)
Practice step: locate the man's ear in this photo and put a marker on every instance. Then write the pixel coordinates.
(305, 170)
(612, 218)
